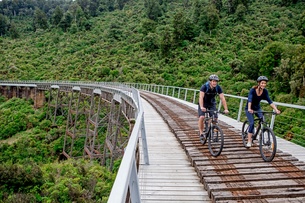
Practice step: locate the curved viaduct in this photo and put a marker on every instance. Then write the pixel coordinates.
(99, 117)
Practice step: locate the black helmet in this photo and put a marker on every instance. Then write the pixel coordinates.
(262, 78)
(214, 77)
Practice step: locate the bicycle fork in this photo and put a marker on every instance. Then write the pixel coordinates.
(266, 139)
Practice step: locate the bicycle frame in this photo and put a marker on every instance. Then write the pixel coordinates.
(209, 121)
(262, 124)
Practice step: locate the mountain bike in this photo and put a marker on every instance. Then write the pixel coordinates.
(267, 139)
(213, 133)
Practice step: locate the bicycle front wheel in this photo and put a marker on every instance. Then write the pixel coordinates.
(267, 144)
(216, 141)
(244, 134)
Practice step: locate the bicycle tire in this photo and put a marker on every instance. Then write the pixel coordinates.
(267, 144)
(216, 141)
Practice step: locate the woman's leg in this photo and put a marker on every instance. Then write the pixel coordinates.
(251, 127)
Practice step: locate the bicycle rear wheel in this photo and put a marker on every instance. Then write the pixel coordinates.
(244, 134)
(267, 144)
(216, 141)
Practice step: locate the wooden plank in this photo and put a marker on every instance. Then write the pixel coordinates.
(270, 193)
(238, 174)
(213, 189)
(169, 177)
(254, 177)
(237, 166)
(249, 171)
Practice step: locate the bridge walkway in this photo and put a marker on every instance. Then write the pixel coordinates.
(181, 169)
(170, 177)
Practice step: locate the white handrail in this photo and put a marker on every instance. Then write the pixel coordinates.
(193, 95)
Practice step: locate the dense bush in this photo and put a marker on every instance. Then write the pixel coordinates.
(17, 115)
(29, 171)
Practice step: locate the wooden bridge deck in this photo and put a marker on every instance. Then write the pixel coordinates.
(170, 177)
(182, 170)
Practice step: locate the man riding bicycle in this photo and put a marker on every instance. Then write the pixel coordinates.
(208, 91)
(256, 94)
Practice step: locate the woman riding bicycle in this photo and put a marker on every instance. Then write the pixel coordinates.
(256, 94)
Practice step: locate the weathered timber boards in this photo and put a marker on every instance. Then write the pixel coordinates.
(169, 177)
(238, 174)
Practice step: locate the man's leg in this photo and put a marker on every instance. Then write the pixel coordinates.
(200, 121)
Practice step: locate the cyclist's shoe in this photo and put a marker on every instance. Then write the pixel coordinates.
(202, 137)
(249, 144)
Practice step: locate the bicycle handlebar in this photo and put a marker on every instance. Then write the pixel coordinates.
(213, 111)
(265, 112)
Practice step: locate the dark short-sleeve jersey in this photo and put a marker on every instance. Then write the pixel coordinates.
(255, 99)
(209, 94)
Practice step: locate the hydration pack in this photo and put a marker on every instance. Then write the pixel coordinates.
(207, 84)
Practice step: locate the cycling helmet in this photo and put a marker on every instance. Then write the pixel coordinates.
(214, 77)
(262, 78)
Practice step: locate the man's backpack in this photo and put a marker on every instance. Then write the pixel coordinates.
(207, 84)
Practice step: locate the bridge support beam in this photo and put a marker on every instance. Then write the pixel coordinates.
(27, 92)
(78, 110)
(96, 125)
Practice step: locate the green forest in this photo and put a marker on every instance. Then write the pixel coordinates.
(164, 42)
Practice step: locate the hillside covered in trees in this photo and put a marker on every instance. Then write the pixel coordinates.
(165, 42)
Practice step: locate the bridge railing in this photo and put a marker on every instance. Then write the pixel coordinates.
(286, 125)
(127, 179)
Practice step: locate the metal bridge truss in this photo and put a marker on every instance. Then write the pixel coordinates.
(99, 123)
(57, 104)
(100, 119)
(120, 123)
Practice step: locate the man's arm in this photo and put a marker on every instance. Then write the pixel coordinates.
(201, 101)
(224, 102)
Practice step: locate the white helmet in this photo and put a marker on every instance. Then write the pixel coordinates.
(262, 78)
(213, 77)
